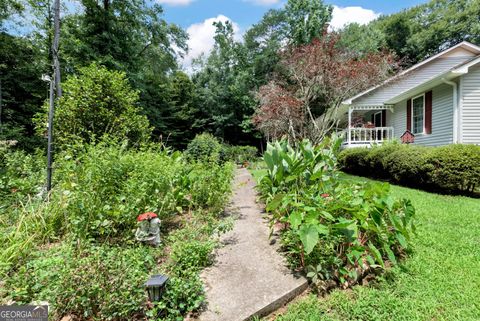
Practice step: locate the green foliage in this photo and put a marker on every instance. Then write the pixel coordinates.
(452, 168)
(345, 228)
(22, 89)
(77, 251)
(376, 158)
(191, 249)
(413, 291)
(455, 167)
(307, 20)
(361, 39)
(408, 164)
(427, 29)
(204, 148)
(21, 176)
(192, 255)
(239, 154)
(354, 159)
(98, 104)
(101, 190)
(89, 282)
(209, 185)
(107, 187)
(8, 8)
(183, 294)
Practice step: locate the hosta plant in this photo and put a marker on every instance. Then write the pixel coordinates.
(337, 228)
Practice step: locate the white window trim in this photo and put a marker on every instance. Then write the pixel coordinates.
(412, 120)
(381, 118)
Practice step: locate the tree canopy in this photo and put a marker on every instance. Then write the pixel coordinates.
(98, 104)
(222, 93)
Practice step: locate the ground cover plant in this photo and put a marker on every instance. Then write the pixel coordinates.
(450, 169)
(78, 252)
(437, 282)
(336, 231)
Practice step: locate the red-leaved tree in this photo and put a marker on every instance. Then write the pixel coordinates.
(303, 101)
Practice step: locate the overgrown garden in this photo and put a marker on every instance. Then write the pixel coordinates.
(74, 247)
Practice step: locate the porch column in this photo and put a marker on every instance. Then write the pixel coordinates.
(349, 139)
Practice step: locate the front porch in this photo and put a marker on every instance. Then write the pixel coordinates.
(367, 126)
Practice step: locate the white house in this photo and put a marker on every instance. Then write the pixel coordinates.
(437, 100)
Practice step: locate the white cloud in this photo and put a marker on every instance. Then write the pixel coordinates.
(175, 2)
(201, 38)
(263, 2)
(342, 16)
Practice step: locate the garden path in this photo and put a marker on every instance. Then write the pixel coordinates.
(249, 277)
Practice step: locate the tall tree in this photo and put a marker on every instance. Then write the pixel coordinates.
(223, 87)
(8, 8)
(306, 20)
(304, 101)
(22, 90)
(362, 39)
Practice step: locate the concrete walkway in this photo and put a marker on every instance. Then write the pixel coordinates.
(249, 277)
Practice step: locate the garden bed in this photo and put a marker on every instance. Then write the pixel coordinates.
(78, 251)
(437, 281)
(337, 232)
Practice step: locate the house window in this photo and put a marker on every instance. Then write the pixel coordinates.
(418, 114)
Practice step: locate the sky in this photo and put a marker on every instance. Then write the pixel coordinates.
(197, 16)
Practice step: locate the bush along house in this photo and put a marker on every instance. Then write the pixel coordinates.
(435, 102)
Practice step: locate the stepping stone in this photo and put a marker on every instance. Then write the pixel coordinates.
(250, 277)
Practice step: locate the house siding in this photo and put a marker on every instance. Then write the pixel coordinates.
(442, 118)
(411, 80)
(470, 109)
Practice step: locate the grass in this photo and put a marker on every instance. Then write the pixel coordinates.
(440, 280)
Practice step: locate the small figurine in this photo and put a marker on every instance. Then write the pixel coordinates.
(148, 230)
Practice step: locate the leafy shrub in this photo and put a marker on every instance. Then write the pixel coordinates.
(455, 167)
(100, 193)
(21, 175)
(183, 294)
(376, 159)
(97, 103)
(210, 185)
(407, 164)
(452, 168)
(240, 154)
(204, 148)
(192, 255)
(337, 228)
(99, 281)
(354, 160)
(77, 251)
(107, 187)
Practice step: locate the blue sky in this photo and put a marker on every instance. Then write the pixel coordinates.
(247, 12)
(197, 16)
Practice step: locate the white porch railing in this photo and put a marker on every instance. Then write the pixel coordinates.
(367, 136)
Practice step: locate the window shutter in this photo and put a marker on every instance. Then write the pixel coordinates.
(384, 118)
(428, 112)
(409, 115)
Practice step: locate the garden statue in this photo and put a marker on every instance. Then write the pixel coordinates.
(148, 230)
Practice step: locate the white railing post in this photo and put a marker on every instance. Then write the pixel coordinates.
(349, 125)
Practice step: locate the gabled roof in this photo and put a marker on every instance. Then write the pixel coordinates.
(460, 58)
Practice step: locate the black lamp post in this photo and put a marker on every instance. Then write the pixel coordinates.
(156, 286)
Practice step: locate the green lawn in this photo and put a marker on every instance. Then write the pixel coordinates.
(440, 280)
